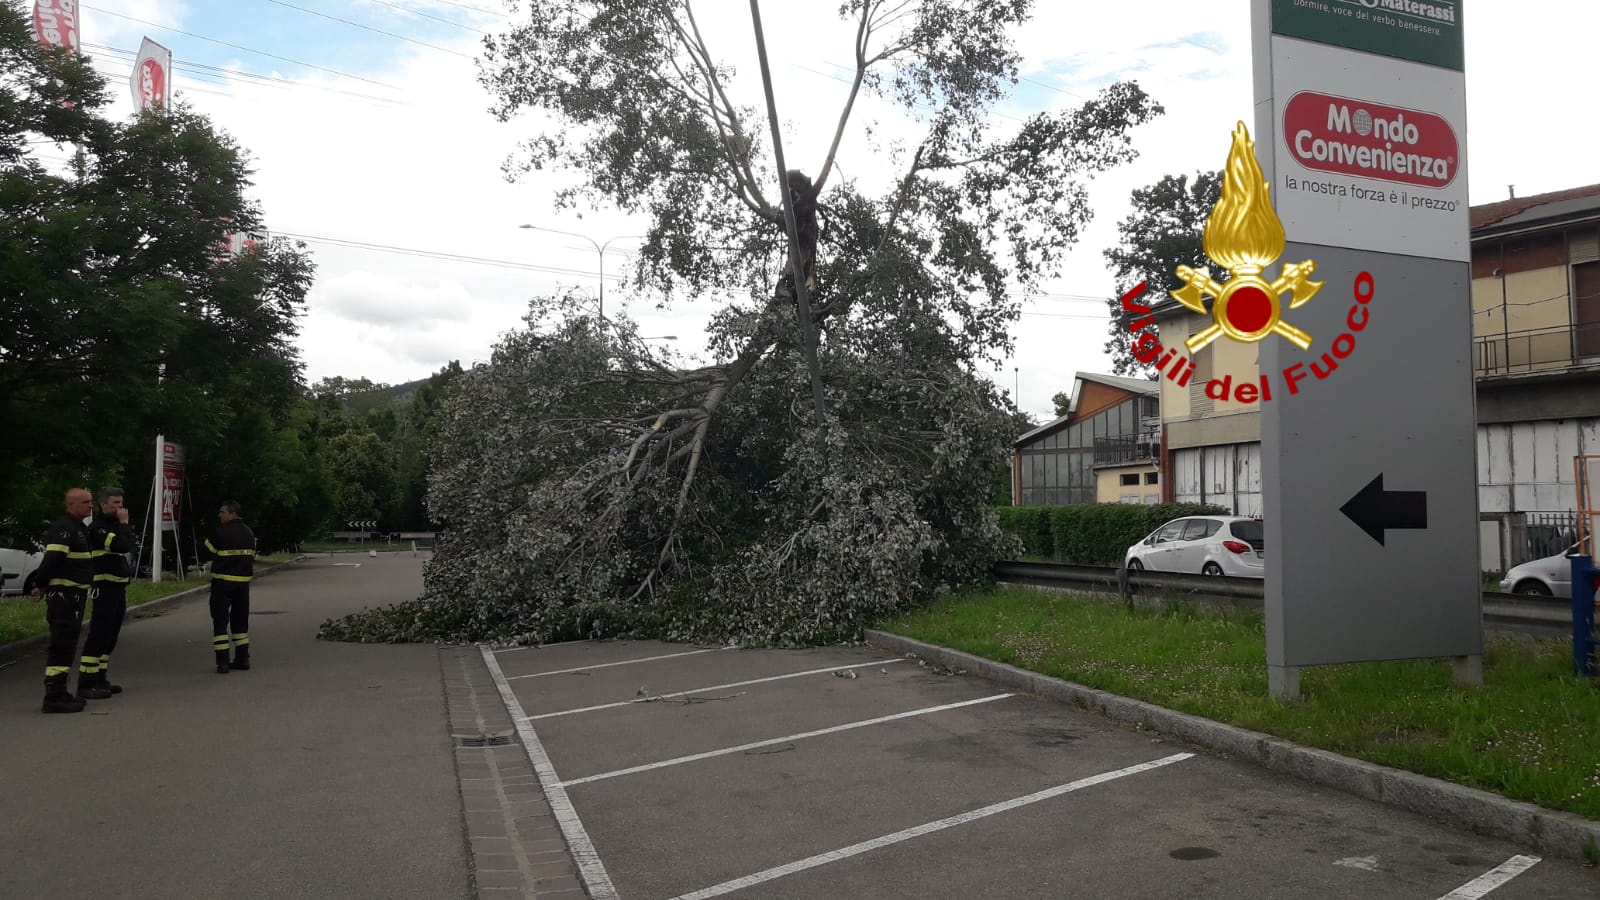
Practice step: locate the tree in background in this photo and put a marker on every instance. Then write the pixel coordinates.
(1163, 232)
(110, 275)
(591, 485)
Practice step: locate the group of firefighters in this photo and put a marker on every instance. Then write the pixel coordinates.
(86, 563)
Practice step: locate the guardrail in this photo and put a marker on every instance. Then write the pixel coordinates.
(1515, 612)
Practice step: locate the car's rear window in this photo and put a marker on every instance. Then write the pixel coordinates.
(1250, 532)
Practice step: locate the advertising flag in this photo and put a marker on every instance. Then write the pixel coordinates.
(55, 24)
(152, 76)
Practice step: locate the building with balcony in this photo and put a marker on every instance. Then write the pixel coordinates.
(1535, 307)
(1106, 449)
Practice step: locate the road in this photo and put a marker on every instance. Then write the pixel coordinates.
(658, 770)
(780, 774)
(325, 771)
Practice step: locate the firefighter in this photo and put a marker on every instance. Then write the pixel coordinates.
(65, 574)
(233, 564)
(112, 541)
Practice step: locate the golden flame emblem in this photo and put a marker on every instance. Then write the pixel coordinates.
(1244, 235)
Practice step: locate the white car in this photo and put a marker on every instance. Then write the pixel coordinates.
(1548, 577)
(16, 568)
(1208, 545)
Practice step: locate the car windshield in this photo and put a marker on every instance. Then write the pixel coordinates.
(1250, 532)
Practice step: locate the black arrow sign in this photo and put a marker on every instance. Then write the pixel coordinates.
(1375, 510)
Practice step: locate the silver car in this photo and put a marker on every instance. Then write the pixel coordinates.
(1210, 545)
(1547, 577)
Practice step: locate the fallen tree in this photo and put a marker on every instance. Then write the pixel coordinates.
(590, 487)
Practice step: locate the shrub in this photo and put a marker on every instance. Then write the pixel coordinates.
(1092, 534)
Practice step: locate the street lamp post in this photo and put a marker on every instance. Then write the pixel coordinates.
(599, 248)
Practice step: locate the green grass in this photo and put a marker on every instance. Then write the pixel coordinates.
(1529, 733)
(21, 617)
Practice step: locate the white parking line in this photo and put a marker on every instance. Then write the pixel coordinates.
(1493, 878)
(542, 646)
(626, 662)
(782, 740)
(728, 887)
(583, 852)
(715, 687)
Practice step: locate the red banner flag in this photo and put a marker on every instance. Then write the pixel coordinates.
(55, 24)
(152, 76)
(171, 483)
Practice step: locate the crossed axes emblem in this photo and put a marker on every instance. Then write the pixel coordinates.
(1295, 279)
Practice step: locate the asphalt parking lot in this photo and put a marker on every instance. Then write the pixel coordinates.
(697, 772)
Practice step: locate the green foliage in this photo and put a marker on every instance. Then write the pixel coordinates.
(592, 487)
(1164, 231)
(109, 275)
(1092, 534)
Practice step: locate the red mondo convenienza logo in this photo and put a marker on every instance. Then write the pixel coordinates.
(1370, 140)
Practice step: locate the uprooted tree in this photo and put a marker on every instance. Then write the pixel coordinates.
(590, 487)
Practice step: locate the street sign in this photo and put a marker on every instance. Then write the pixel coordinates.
(1369, 465)
(365, 523)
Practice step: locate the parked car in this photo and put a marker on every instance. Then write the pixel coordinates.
(1209, 545)
(1547, 577)
(16, 570)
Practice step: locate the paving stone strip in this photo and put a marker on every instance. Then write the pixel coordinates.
(517, 847)
(1553, 833)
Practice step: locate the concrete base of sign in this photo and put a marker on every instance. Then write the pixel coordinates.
(1467, 670)
(1283, 682)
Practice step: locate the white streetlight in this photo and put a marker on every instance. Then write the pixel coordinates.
(599, 248)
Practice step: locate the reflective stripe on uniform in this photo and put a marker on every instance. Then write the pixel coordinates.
(234, 552)
(219, 642)
(57, 548)
(231, 577)
(210, 546)
(239, 640)
(84, 555)
(109, 539)
(53, 671)
(116, 578)
(66, 582)
(89, 665)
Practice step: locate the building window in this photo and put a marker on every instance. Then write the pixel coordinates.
(1130, 480)
(1152, 478)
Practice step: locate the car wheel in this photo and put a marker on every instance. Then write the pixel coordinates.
(1135, 565)
(33, 582)
(1532, 588)
(1211, 568)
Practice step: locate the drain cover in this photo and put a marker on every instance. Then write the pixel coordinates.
(266, 612)
(492, 740)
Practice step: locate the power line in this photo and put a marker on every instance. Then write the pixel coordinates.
(240, 47)
(187, 65)
(488, 12)
(376, 30)
(434, 254)
(424, 15)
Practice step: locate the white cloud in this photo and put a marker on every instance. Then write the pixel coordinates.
(427, 175)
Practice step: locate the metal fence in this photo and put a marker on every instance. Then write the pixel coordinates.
(1536, 349)
(1550, 533)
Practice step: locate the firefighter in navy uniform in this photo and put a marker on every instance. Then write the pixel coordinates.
(232, 557)
(65, 574)
(112, 541)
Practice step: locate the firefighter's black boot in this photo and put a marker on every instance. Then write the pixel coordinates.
(222, 662)
(56, 698)
(105, 679)
(241, 658)
(89, 687)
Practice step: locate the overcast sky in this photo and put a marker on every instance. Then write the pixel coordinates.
(398, 148)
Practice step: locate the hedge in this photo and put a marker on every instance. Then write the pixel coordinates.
(1092, 534)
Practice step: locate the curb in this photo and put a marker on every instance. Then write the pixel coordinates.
(18, 649)
(1553, 833)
